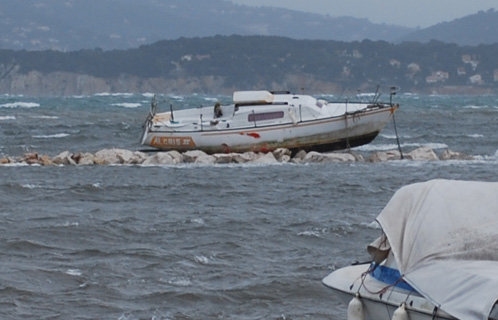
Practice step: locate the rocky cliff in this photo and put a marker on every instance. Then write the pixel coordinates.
(59, 83)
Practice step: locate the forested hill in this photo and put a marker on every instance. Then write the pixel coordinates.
(221, 64)
(68, 25)
(473, 30)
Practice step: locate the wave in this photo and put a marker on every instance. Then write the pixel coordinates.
(127, 105)
(13, 105)
(51, 136)
(475, 135)
(45, 117)
(7, 118)
(385, 147)
(117, 94)
(475, 107)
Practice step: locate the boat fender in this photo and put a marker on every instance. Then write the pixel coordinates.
(355, 309)
(293, 117)
(400, 313)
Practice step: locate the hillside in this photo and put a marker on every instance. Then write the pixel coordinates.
(472, 30)
(221, 64)
(68, 25)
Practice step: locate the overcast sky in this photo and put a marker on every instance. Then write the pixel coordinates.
(409, 13)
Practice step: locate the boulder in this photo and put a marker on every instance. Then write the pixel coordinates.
(30, 158)
(45, 160)
(176, 156)
(138, 158)
(160, 158)
(282, 155)
(265, 158)
(422, 154)
(223, 158)
(244, 157)
(205, 159)
(314, 157)
(382, 156)
(86, 159)
(64, 158)
(452, 155)
(191, 156)
(299, 156)
(114, 156)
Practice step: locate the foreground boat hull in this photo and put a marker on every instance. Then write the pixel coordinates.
(322, 135)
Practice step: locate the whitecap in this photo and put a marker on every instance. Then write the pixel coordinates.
(475, 107)
(180, 282)
(68, 224)
(475, 135)
(45, 117)
(211, 99)
(51, 136)
(148, 95)
(195, 221)
(393, 136)
(8, 118)
(127, 105)
(20, 105)
(117, 94)
(74, 272)
(29, 186)
(386, 147)
(310, 233)
(201, 259)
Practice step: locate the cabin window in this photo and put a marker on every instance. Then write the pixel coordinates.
(254, 117)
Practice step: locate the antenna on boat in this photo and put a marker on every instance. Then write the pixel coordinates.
(392, 92)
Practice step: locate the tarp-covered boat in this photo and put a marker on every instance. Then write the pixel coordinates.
(262, 121)
(436, 259)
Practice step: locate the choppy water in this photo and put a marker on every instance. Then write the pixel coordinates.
(200, 242)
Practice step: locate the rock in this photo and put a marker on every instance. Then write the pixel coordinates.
(176, 156)
(223, 158)
(244, 157)
(314, 157)
(137, 158)
(422, 154)
(205, 159)
(382, 156)
(452, 155)
(191, 156)
(114, 156)
(30, 158)
(5, 160)
(282, 155)
(266, 158)
(86, 159)
(64, 158)
(299, 157)
(160, 158)
(45, 160)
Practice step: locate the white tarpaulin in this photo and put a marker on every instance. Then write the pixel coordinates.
(444, 237)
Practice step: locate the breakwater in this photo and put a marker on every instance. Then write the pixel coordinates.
(127, 157)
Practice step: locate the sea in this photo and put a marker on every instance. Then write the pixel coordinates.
(224, 241)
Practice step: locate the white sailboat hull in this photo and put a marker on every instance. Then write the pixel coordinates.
(293, 126)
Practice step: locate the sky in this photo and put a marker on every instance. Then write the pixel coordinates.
(408, 13)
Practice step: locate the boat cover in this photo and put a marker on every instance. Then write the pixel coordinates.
(444, 237)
